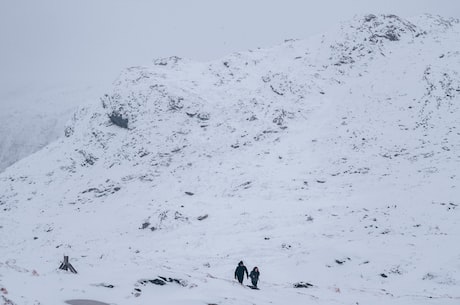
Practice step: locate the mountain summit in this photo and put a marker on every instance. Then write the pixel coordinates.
(332, 161)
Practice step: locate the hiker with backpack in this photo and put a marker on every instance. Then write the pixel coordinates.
(239, 272)
(254, 276)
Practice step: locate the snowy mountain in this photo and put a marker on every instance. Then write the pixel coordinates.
(331, 161)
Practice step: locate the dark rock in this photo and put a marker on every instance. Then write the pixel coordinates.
(161, 280)
(189, 193)
(89, 158)
(246, 185)
(92, 189)
(173, 280)
(178, 215)
(204, 116)
(276, 91)
(106, 285)
(383, 275)
(154, 281)
(302, 285)
(158, 282)
(68, 131)
(203, 217)
(145, 225)
(286, 246)
(391, 36)
(173, 60)
(369, 17)
(428, 276)
(279, 120)
(176, 104)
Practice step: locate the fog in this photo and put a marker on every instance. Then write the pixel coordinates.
(49, 43)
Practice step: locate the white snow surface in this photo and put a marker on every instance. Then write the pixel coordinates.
(332, 161)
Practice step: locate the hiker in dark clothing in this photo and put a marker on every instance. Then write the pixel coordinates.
(239, 272)
(254, 276)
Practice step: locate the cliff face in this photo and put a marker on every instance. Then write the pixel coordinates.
(335, 158)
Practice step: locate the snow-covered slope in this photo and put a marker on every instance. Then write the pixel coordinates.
(33, 118)
(332, 161)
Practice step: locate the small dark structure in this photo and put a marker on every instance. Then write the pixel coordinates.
(117, 119)
(65, 265)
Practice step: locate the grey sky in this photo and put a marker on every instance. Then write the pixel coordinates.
(53, 42)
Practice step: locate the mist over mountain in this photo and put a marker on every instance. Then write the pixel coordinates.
(331, 161)
(34, 118)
